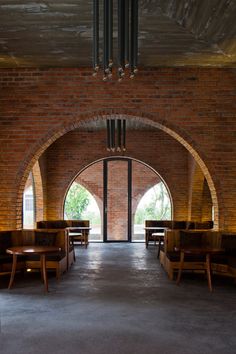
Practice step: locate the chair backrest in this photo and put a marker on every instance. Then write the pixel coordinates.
(53, 224)
(191, 238)
(194, 239)
(61, 224)
(203, 225)
(5, 241)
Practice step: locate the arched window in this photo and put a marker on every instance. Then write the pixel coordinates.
(80, 204)
(154, 205)
(29, 204)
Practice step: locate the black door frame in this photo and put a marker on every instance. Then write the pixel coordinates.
(129, 216)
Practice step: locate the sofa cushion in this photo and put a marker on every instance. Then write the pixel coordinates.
(219, 258)
(7, 258)
(175, 257)
(191, 239)
(82, 223)
(5, 241)
(228, 242)
(52, 224)
(179, 225)
(45, 238)
(204, 225)
(57, 256)
(190, 225)
(232, 261)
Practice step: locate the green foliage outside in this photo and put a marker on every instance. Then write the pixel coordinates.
(155, 205)
(76, 202)
(93, 216)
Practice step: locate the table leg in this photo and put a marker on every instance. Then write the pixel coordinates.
(181, 265)
(13, 270)
(44, 270)
(86, 239)
(208, 270)
(73, 245)
(146, 239)
(159, 247)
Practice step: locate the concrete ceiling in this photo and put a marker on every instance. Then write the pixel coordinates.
(58, 33)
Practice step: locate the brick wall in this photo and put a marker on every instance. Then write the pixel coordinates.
(196, 106)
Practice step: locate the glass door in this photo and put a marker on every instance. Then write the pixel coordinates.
(117, 200)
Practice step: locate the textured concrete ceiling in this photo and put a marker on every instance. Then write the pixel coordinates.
(58, 33)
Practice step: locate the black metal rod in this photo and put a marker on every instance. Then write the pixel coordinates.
(105, 179)
(121, 54)
(126, 31)
(129, 200)
(95, 33)
(110, 32)
(119, 134)
(108, 135)
(134, 35)
(105, 34)
(124, 135)
(113, 139)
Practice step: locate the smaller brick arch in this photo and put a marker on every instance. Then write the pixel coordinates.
(150, 119)
(38, 191)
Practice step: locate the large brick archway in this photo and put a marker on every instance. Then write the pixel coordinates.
(154, 121)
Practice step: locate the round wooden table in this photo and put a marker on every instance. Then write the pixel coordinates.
(207, 252)
(42, 251)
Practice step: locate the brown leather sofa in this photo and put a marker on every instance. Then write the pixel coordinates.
(174, 225)
(224, 263)
(66, 224)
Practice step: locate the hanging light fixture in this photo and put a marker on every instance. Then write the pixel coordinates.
(127, 39)
(116, 135)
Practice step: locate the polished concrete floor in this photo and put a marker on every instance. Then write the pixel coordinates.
(117, 299)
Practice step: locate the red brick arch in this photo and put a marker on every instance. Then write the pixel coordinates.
(38, 189)
(154, 120)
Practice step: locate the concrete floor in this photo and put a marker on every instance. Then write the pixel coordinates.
(117, 299)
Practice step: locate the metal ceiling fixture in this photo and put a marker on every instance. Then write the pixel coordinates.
(116, 135)
(127, 38)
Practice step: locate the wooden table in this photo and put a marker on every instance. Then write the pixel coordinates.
(42, 251)
(157, 234)
(77, 231)
(160, 238)
(207, 252)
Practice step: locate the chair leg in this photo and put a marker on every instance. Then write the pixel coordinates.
(159, 248)
(208, 271)
(13, 271)
(58, 273)
(170, 274)
(146, 241)
(181, 265)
